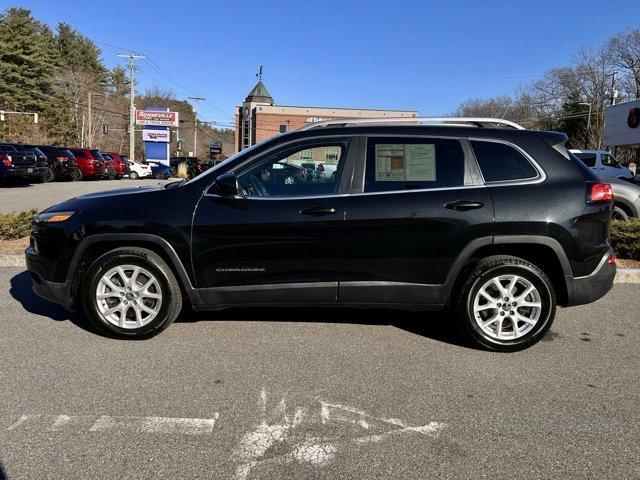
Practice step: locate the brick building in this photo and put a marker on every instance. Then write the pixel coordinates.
(259, 117)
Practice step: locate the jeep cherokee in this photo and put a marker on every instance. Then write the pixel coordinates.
(496, 222)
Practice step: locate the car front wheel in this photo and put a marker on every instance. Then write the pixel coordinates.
(131, 293)
(507, 304)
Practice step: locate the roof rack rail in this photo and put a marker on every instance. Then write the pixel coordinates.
(486, 122)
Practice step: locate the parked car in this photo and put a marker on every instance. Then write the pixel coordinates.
(22, 164)
(90, 162)
(603, 163)
(139, 170)
(160, 170)
(626, 196)
(41, 160)
(121, 163)
(193, 164)
(110, 167)
(501, 224)
(61, 162)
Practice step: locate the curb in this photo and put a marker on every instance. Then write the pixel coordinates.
(623, 275)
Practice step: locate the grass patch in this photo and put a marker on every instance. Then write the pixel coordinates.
(16, 224)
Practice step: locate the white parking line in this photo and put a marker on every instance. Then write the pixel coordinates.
(107, 423)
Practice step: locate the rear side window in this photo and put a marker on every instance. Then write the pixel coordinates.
(500, 162)
(589, 159)
(413, 163)
(97, 155)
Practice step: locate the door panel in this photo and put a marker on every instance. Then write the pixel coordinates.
(417, 207)
(279, 242)
(402, 245)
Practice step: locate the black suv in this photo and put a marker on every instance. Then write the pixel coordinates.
(501, 224)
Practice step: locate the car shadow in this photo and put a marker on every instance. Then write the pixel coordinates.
(21, 290)
(433, 325)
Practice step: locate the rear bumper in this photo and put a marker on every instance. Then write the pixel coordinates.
(25, 172)
(587, 289)
(53, 291)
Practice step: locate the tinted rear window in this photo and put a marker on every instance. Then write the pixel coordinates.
(7, 148)
(589, 159)
(97, 155)
(500, 162)
(413, 163)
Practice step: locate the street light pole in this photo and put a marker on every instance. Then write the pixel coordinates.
(195, 121)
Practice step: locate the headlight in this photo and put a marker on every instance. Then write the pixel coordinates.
(53, 217)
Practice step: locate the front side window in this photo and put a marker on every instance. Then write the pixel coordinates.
(608, 161)
(589, 159)
(500, 162)
(409, 164)
(296, 171)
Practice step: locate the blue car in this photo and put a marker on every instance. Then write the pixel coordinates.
(160, 171)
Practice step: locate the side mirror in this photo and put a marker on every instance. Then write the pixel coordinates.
(226, 185)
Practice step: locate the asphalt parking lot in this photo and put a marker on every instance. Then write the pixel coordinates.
(25, 196)
(323, 394)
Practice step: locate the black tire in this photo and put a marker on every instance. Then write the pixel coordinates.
(483, 272)
(160, 176)
(76, 176)
(111, 176)
(619, 214)
(170, 303)
(48, 176)
(134, 175)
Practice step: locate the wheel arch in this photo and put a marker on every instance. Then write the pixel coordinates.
(544, 252)
(93, 246)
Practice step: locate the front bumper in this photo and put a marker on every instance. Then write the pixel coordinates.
(53, 291)
(587, 289)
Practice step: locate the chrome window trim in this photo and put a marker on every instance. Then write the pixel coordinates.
(541, 177)
(418, 190)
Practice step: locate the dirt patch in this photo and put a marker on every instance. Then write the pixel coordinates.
(624, 263)
(17, 246)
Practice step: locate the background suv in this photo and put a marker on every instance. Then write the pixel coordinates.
(501, 224)
(90, 162)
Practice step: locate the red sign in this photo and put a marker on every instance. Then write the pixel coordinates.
(159, 119)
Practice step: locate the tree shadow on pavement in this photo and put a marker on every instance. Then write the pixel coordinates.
(22, 290)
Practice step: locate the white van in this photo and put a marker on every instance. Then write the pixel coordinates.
(602, 163)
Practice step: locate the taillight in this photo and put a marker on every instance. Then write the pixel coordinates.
(61, 159)
(6, 159)
(612, 260)
(601, 192)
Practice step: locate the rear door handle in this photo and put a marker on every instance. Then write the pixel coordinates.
(463, 205)
(318, 211)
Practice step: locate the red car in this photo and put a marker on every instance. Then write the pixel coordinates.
(121, 163)
(90, 162)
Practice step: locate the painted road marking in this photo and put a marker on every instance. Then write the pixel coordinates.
(108, 423)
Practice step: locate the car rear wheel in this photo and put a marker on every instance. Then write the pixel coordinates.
(48, 176)
(160, 176)
(76, 175)
(507, 304)
(619, 214)
(131, 293)
(134, 175)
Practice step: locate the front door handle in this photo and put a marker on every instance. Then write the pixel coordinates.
(463, 205)
(318, 211)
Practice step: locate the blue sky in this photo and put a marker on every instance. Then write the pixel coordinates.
(423, 55)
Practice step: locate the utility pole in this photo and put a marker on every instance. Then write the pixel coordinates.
(195, 121)
(90, 119)
(131, 65)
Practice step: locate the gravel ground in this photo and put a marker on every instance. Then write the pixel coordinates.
(42, 195)
(318, 394)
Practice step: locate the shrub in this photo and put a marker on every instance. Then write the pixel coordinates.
(625, 238)
(16, 224)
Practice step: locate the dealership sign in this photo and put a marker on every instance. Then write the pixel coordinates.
(156, 135)
(621, 124)
(158, 119)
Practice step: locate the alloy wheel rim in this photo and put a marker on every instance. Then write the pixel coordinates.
(507, 307)
(128, 296)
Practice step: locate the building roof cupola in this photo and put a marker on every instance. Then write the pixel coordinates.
(259, 93)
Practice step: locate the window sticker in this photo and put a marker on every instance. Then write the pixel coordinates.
(399, 162)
